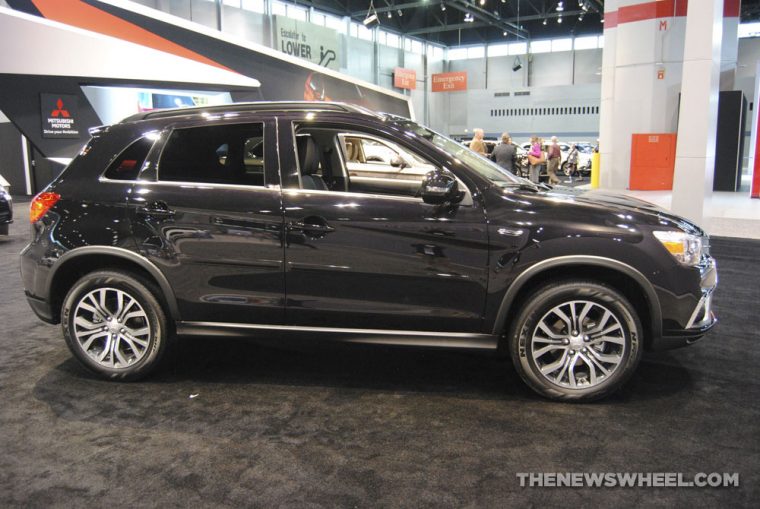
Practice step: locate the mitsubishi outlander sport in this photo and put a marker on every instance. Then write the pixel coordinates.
(334, 221)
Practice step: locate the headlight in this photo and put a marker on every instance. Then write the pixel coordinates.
(684, 247)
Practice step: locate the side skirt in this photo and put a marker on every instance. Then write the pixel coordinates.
(373, 336)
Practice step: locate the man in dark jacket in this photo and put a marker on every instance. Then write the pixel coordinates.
(505, 153)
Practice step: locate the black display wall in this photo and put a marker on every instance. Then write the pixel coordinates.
(729, 145)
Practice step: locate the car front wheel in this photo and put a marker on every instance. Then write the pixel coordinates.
(576, 340)
(114, 325)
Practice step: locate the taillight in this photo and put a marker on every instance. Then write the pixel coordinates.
(41, 204)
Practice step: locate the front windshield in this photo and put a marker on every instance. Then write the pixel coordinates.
(483, 166)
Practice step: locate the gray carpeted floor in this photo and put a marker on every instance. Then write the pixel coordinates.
(236, 424)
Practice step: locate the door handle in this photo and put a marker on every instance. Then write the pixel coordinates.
(156, 208)
(311, 225)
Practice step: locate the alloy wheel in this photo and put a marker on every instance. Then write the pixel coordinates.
(112, 328)
(578, 344)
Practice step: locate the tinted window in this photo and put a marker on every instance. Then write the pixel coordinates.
(129, 162)
(221, 154)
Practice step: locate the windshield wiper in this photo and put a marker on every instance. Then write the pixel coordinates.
(523, 185)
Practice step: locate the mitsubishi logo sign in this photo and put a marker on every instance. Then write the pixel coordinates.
(59, 116)
(59, 110)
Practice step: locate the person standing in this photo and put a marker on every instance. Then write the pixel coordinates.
(554, 157)
(505, 153)
(572, 162)
(477, 145)
(535, 158)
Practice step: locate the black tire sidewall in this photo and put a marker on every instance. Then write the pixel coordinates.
(140, 291)
(549, 296)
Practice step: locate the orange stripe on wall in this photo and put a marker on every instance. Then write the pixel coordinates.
(661, 9)
(79, 14)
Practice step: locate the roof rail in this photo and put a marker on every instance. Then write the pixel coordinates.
(248, 106)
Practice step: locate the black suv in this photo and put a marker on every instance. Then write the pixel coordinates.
(335, 221)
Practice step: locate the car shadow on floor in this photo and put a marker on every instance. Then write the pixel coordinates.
(293, 370)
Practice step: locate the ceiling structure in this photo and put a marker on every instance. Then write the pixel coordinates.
(455, 22)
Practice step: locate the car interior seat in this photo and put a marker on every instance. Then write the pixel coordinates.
(308, 161)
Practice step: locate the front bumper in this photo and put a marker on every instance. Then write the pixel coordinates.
(701, 319)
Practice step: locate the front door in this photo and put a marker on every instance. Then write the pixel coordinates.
(361, 255)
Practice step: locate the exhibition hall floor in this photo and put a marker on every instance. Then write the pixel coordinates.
(238, 424)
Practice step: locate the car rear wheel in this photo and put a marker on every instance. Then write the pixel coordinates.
(114, 325)
(576, 340)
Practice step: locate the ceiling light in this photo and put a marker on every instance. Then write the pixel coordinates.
(504, 33)
(369, 20)
(580, 18)
(560, 8)
(443, 7)
(390, 14)
(559, 20)
(400, 12)
(482, 2)
(544, 23)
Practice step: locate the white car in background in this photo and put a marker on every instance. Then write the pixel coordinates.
(376, 163)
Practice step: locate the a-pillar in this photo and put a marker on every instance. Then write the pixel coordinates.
(695, 149)
(641, 78)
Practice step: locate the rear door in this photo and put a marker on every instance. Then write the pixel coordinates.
(208, 214)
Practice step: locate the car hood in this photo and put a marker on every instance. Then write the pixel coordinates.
(643, 210)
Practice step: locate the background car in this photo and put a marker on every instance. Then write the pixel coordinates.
(6, 211)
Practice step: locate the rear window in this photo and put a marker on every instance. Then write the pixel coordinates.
(127, 165)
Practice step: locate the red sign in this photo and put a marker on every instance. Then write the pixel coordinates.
(755, 187)
(660, 74)
(450, 82)
(404, 78)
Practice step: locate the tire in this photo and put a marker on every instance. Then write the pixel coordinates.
(541, 339)
(138, 325)
(564, 169)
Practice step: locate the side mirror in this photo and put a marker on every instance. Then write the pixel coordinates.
(440, 186)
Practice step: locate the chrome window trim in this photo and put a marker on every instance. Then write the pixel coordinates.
(204, 185)
(349, 194)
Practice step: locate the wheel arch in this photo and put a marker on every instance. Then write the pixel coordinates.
(621, 276)
(77, 262)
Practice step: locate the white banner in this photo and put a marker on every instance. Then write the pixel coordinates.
(311, 42)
